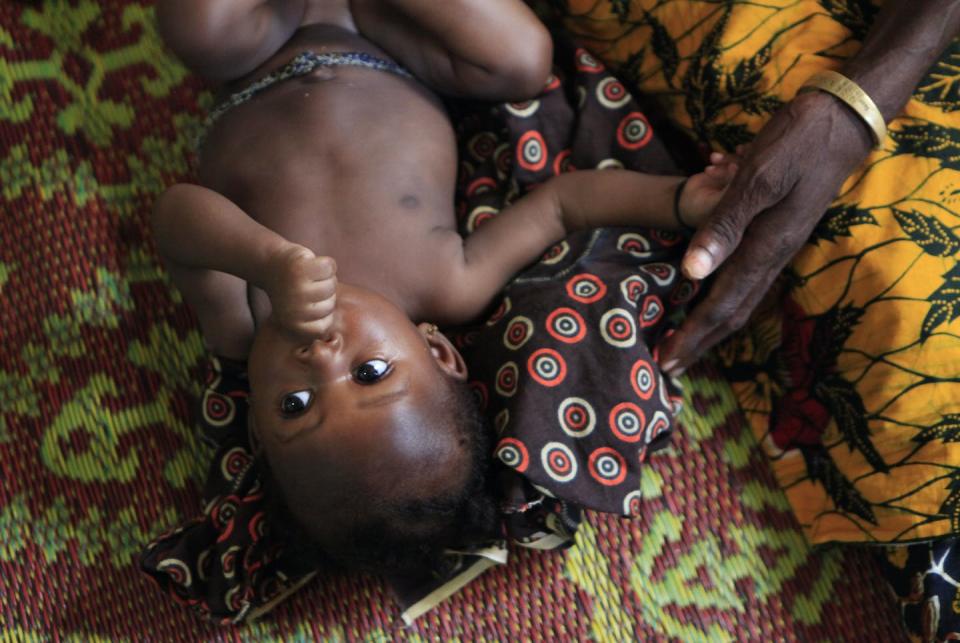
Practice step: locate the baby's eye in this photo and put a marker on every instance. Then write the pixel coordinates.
(371, 371)
(295, 403)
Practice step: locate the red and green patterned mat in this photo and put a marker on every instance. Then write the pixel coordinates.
(99, 359)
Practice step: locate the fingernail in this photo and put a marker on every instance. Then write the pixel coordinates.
(677, 372)
(698, 263)
(670, 365)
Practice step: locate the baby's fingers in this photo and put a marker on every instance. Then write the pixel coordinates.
(309, 330)
(727, 172)
(319, 268)
(719, 176)
(320, 290)
(721, 160)
(318, 308)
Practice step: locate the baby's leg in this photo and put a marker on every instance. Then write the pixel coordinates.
(225, 39)
(489, 49)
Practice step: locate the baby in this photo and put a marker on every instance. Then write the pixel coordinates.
(320, 245)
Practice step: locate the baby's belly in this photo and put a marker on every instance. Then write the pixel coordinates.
(339, 154)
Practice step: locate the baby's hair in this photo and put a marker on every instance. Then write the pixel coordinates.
(406, 536)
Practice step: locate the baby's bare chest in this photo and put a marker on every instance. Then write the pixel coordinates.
(342, 160)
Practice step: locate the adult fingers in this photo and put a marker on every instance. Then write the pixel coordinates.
(695, 338)
(739, 285)
(720, 313)
(756, 187)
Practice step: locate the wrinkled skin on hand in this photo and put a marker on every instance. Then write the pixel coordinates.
(786, 180)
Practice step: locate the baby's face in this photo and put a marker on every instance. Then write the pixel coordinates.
(356, 406)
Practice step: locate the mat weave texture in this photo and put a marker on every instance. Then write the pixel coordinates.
(99, 361)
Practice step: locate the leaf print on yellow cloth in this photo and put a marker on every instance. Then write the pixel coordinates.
(849, 375)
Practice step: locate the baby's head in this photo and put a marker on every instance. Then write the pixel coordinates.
(371, 437)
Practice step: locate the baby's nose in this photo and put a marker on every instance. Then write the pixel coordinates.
(321, 347)
(330, 338)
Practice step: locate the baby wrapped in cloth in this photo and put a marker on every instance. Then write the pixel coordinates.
(563, 366)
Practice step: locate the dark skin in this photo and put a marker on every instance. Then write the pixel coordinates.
(327, 204)
(783, 188)
(377, 433)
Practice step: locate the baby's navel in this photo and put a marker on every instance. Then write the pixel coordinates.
(409, 202)
(319, 75)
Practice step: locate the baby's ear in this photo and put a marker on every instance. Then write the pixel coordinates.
(448, 358)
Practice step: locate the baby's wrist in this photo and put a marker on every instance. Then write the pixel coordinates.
(271, 271)
(681, 213)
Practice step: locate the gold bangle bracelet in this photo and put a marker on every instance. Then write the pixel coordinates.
(855, 98)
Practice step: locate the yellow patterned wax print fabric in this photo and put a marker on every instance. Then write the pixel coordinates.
(850, 377)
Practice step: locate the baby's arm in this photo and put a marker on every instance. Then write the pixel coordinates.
(225, 39)
(213, 249)
(489, 49)
(501, 247)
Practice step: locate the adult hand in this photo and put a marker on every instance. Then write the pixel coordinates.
(786, 179)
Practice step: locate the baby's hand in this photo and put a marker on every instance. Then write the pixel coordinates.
(703, 191)
(302, 290)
